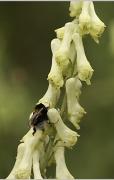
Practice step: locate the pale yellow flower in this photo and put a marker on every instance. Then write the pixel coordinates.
(68, 136)
(75, 8)
(20, 153)
(61, 169)
(97, 26)
(55, 75)
(51, 96)
(24, 169)
(84, 18)
(73, 91)
(84, 68)
(62, 55)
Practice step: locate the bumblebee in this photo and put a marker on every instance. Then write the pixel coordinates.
(38, 117)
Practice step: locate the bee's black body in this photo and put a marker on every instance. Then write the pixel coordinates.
(39, 116)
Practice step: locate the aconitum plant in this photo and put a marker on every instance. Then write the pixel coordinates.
(49, 136)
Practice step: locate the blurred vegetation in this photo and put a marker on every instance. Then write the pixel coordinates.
(26, 29)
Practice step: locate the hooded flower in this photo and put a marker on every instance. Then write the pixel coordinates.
(20, 153)
(84, 18)
(97, 26)
(55, 75)
(24, 169)
(73, 88)
(36, 164)
(68, 136)
(75, 8)
(73, 91)
(61, 169)
(76, 114)
(51, 97)
(84, 68)
(62, 55)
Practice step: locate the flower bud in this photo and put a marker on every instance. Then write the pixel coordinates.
(51, 97)
(75, 8)
(61, 169)
(55, 75)
(84, 18)
(84, 68)
(97, 26)
(68, 136)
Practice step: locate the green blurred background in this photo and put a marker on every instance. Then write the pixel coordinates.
(26, 29)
